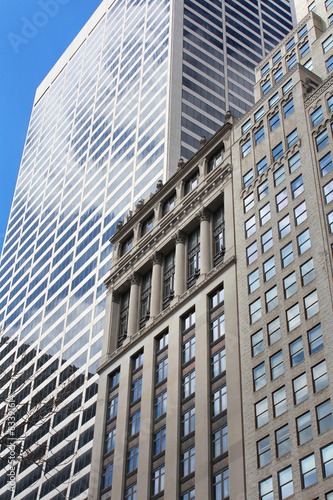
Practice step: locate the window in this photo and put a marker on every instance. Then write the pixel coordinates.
(279, 401)
(132, 459)
(279, 176)
(134, 423)
(304, 49)
(220, 441)
(297, 186)
(308, 64)
(218, 328)
(300, 389)
(329, 495)
(274, 121)
(107, 476)
(169, 278)
(276, 362)
(286, 486)
(257, 343)
(311, 304)
(126, 245)
(137, 360)
(288, 108)
(269, 268)
(259, 376)
(253, 281)
(189, 384)
(248, 202)
(248, 178)
(162, 341)
(300, 213)
(158, 480)
(136, 389)
(147, 225)
(312, 6)
(246, 126)
(287, 86)
(330, 221)
(330, 103)
(159, 441)
(162, 370)
(324, 416)
(325, 164)
(264, 451)
(114, 379)
(328, 192)
(160, 404)
(293, 317)
(273, 100)
(221, 485)
(282, 441)
(168, 204)
(308, 471)
(307, 272)
(329, 64)
(266, 87)
(273, 330)
(145, 299)
(189, 495)
(287, 255)
(315, 339)
(192, 182)
(113, 407)
(296, 351)
(218, 235)
(303, 241)
(188, 421)
(250, 226)
(322, 140)
(251, 253)
(327, 44)
(328, 4)
(327, 459)
(218, 363)
(266, 489)
(215, 160)
(217, 297)
(259, 114)
(263, 189)
(290, 44)
(317, 116)
(246, 148)
(281, 200)
(262, 165)
(277, 151)
(284, 226)
(304, 430)
(261, 412)
(319, 375)
(220, 400)
(255, 311)
(277, 57)
(189, 320)
(265, 214)
(302, 32)
(189, 350)
(259, 135)
(289, 285)
(292, 138)
(193, 256)
(294, 162)
(265, 69)
(278, 75)
(130, 493)
(267, 240)
(110, 441)
(124, 311)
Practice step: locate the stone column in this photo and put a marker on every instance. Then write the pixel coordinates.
(205, 242)
(180, 264)
(156, 286)
(111, 325)
(133, 305)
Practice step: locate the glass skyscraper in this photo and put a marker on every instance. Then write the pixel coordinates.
(135, 91)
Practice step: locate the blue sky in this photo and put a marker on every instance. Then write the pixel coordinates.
(33, 35)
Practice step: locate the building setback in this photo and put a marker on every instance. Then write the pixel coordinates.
(216, 369)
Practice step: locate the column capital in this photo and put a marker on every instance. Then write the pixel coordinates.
(204, 215)
(157, 258)
(136, 279)
(180, 237)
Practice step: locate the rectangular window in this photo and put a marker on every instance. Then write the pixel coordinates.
(251, 253)
(330, 100)
(220, 441)
(218, 328)
(278, 75)
(188, 462)
(328, 192)
(113, 408)
(218, 363)
(265, 69)
(219, 400)
(162, 342)
(130, 493)
(246, 148)
(292, 138)
(218, 235)
(253, 281)
(214, 161)
(290, 44)
(294, 162)
(325, 164)
(322, 140)
(312, 7)
(147, 225)
(263, 189)
(266, 87)
(282, 441)
(319, 376)
(136, 389)
(273, 100)
(261, 412)
(264, 451)
(277, 57)
(250, 226)
(302, 32)
(266, 489)
(169, 278)
(287, 255)
(134, 423)
(217, 297)
(297, 186)
(279, 176)
(279, 401)
(246, 126)
(274, 331)
(317, 116)
(300, 388)
(281, 200)
(324, 416)
(328, 4)
(300, 213)
(304, 242)
(188, 422)
(330, 221)
(311, 304)
(304, 429)
(248, 178)
(255, 311)
(110, 441)
(284, 226)
(265, 214)
(162, 370)
(274, 121)
(307, 272)
(189, 384)
(262, 165)
(145, 299)
(290, 285)
(269, 269)
(288, 108)
(221, 485)
(293, 317)
(308, 64)
(327, 460)
(327, 44)
(287, 86)
(107, 476)
(259, 376)
(276, 362)
(296, 351)
(158, 480)
(291, 62)
(259, 114)
(132, 459)
(271, 299)
(193, 256)
(308, 471)
(259, 135)
(257, 343)
(168, 205)
(248, 202)
(189, 350)
(304, 49)
(277, 151)
(267, 240)
(286, 486)
(160, 404)
(315, 339)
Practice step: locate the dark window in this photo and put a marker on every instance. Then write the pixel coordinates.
(218, 235)
(193, 256)
(169, 278)
(145, 299)
(124, 310)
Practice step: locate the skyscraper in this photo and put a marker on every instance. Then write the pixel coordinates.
(137, 88)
